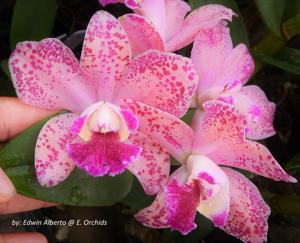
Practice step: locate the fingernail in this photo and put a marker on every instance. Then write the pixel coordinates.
(7, 189)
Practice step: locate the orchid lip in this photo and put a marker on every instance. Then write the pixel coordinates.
(104, 129)
(103, 117)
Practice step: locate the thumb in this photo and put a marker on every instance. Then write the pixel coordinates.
(16, 116)
(7, 189)
(23, 237)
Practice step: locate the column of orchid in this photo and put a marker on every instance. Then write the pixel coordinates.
(126, 96)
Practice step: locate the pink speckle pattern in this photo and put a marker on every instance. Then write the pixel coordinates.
(152, 168)
(46, 74)
(168, 19)
(217, 63)
(223, 70)
(154, 216)
(260, 114)
(173, 134)
(207, 16)
(221, 137)
(248, 214)
(131, 120)
(103, 154)
(106, 51)
(163, 80)
(182, 201)
(142, 34)
(52, 163)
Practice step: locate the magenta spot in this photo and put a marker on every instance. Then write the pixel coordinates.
(228, 99)
(255, 111)
(174, 67)
(103, 154)
(131, 120)
(132, 4)
(77, 125)
(182, 202)
(219, 220)
(207, 177)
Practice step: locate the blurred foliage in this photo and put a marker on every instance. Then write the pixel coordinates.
(269, 27)
(286, 58)
(272, 12)
(32, 20)
(294, 163)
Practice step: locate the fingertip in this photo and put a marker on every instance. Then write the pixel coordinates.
(7, 189)
(23, 237)
(13, 111)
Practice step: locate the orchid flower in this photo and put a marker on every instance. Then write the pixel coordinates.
(99, 136)
(223, 70)
(204, 183)
(133, 4)
(163, 24)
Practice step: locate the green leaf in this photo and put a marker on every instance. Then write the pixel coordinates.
(292, 9)
(17, 160)
(272, 13)
(294, 163)
(32, 20)
(137, 199)
(6, 86)
(20, 150)
(238, 28)
(4, 66)
(79, 189)
(188, 117)
(287, 59)
(291, 27)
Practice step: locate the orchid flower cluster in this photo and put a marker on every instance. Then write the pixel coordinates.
(126, 96)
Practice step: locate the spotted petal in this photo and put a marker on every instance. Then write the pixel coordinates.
(142, 33)
(106, 51)
(155, 11)
(217, 62)
(154, 216)
(221, 137)
(172, 133)
(47, 74)
(152, 167)
(176, 11)
(129, 3)
(248, 215)
(163, 80)
(204, 17)
(259, 111)
(52, 163)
